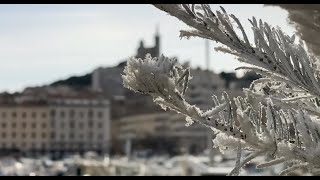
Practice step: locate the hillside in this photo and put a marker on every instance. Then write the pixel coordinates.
(75, 81)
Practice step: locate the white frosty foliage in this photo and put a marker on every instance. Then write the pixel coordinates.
(166, 81)
(279, 115)
(189, 121)
(150, 75)
(224, 142)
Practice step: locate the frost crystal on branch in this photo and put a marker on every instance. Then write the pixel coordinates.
(279, 115)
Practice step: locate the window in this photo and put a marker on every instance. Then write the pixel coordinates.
(34, 125)
(24, 125)
(33, 114)
(14, 125)
(44, 115)
(100, 114)
(90, 123)
(62, 125)
(81, 114)
(24, 115)
(4, 125)
(90, 114)
(23, 135)
(62, 114)
(4, 135)
(52, 135)
(72, 124)
(62, 136)
(100, 125)
(33, 135)
(80, 136)
(52, 113)
(100, 136)
(4, 145)
(160, 128)
(44, 135)
(81, 125)
(71, 135)
(44, 125)
(194, 95)
(14, 134)
(71, 113)
(90, 135)
(192, 87)
(52, 123)
(14, 114)
(4, 115)
(205, 86)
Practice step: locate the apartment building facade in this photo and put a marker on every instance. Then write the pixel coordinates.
(80, 125)
(24, 127)
(54, 123)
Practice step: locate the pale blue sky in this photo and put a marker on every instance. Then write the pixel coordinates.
(40, 44)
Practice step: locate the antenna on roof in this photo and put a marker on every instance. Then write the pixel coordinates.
(157, 29)
(207, 53)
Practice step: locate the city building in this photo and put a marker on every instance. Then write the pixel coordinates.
(160, 132)
(24, 127)
(56, 119)
(202, 86)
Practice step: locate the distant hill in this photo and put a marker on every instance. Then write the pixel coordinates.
(80, 81)
(75, 81)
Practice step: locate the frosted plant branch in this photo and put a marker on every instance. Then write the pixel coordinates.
(279, 115)
(274, 52)
(265, 131)
(160, 78)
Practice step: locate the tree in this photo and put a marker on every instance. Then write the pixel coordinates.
(279, 115)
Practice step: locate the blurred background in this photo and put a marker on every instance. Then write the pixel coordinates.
(64, 110)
